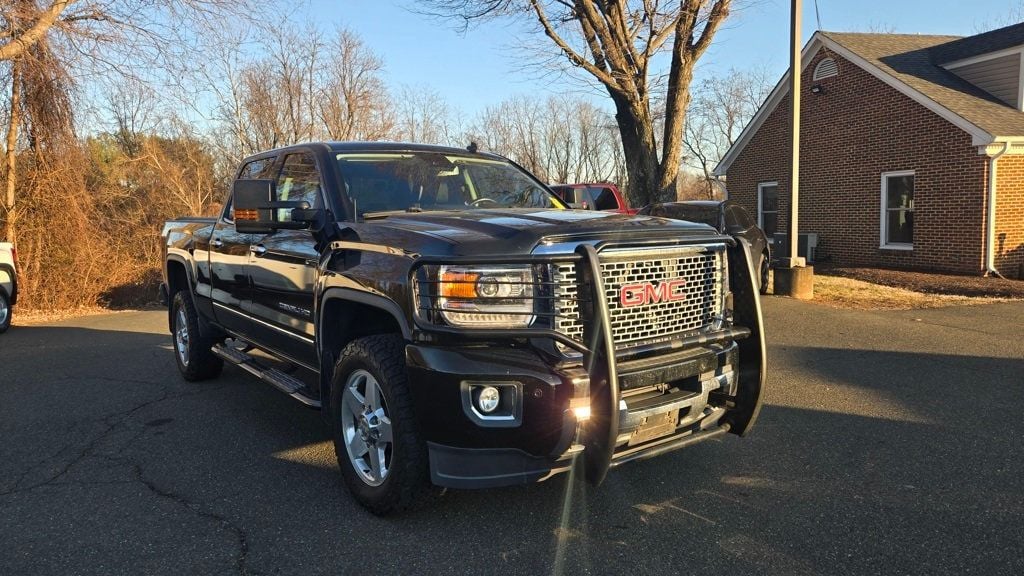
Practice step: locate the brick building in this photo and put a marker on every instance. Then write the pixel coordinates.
(904, 142)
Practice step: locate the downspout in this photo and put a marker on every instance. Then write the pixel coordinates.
(990, 225)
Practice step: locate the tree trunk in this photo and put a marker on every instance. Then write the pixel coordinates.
(10, 215)
(640, 151)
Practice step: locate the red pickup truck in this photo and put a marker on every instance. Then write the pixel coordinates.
(594, 196)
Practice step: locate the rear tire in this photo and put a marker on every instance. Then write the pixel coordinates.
(5, 312)
(191, 350)
(382, 456)
(763, 274)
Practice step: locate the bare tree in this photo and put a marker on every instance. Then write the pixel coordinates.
(305, 88)
(40, 109)
(1013, 15)
(618, 44)
(721, 108)
(130, 104)
(353, 102)
(25, 24)
(422, 115)
(558, 139)
(41, 42)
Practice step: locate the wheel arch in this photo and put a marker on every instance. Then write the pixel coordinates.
(178, 275)
(178, 279)
(345, 315)
(12, 297)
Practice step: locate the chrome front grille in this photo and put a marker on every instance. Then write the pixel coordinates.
(696, 303)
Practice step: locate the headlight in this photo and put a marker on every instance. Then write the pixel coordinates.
(486, 296)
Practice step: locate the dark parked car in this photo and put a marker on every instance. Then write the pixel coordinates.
(727, 217)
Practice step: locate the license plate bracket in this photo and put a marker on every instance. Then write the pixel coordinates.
(655, 426)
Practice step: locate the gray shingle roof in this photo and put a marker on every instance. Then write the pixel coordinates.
(914, 60)
(984, 43)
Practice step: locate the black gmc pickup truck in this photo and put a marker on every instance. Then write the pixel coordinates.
(458, 324)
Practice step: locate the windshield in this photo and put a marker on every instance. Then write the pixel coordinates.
(417, 181)
(705, 214)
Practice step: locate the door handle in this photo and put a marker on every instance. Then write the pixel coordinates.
(258, 249)
(216, 243)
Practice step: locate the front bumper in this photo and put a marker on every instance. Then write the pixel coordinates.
(453, 467)
(465, 453)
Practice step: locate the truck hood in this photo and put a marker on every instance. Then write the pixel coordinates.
(518, 231)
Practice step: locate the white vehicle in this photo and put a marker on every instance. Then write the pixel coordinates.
(8, 284)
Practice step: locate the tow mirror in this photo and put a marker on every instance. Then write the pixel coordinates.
(256, 212)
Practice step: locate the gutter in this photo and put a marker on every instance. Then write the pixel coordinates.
(990, 226)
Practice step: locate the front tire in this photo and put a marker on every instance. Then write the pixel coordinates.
(382, 456)
(191, 350)
(5, 312)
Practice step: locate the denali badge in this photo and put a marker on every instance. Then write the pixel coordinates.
(294, 309)
(648, 293)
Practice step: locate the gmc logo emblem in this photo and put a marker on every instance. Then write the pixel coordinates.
(648, 293)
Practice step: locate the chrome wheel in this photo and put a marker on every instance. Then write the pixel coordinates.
(181, 336)
(5, 310)
(366, 428)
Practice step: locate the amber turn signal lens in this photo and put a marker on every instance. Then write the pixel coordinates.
(458, 285)
(246, 214)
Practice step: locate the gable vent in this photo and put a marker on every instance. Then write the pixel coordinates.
(827, 68)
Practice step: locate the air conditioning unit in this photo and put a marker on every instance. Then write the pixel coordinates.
(806, 245)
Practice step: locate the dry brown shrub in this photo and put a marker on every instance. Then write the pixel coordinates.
(90, 231)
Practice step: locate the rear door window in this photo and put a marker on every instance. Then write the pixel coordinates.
(261, 168)
(604, 198)
(252, 170)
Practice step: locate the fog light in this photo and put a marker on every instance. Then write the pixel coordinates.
(580, 407)
(488, 399)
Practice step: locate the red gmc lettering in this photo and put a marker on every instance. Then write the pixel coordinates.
(647, 293)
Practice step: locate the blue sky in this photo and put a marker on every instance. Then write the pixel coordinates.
(480, 67)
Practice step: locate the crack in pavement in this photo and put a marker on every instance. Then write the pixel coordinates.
(110, 427)
(113, 423)
(241, 536)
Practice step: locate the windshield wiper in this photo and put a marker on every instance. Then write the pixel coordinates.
(385, 213)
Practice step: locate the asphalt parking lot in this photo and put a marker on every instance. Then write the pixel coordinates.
(890, 443)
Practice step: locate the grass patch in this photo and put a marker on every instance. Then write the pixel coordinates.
(842, 292)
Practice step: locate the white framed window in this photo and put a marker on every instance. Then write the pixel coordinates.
(896, 229)
(768, 208)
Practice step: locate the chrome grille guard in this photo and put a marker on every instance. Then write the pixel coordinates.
(597, 347)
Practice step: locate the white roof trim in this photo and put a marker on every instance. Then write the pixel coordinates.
(983, 57)
(979, 136)
(998, 147)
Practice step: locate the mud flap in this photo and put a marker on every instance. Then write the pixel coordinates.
(752, 357)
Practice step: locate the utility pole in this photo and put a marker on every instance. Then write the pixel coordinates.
(795, 68)
(792, 276)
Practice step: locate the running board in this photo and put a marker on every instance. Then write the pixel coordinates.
(286, 383)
